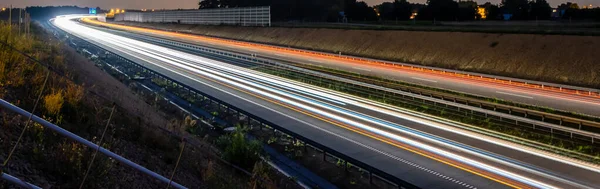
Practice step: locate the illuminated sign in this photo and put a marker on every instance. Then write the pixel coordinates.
(92, 11)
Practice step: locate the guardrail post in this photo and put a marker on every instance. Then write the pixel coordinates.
(306, 146)
(561, 121)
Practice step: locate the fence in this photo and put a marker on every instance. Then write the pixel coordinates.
(247, 16)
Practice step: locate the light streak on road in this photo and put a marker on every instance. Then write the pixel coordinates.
(335, 106)
(561, 94)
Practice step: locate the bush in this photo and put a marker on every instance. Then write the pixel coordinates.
(54, 102)
(74, 94)
(238, 150)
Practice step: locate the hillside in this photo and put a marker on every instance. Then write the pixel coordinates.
(552, 58)
(78, 96)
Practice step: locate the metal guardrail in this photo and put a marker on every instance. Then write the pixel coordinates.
(18, 181)
(472, 75)
(373, 172)
(550, 86)
(87, 143)
(593, 137)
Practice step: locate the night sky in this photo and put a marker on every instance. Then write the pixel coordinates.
(188, 4)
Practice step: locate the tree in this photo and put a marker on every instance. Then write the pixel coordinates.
(208, 4)
(402, 9)
(440, 10)
(386, 9)
(359, 11)
(467, 10)
(492, 11)
(540, 9)
(518, 8)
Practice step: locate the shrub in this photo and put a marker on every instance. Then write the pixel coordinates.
(54, 102)
(238, 150)
(74, 94)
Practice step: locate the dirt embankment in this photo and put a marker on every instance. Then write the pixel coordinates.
(562, 59)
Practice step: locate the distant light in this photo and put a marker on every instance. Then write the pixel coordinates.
(3, 9)
(152, 10)
(122, 11)
(482, 13)
(553, 10)
(112, 10)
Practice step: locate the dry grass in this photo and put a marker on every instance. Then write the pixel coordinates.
(551, 58)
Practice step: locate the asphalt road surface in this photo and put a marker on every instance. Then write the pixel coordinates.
(528, 95)
(425, 151)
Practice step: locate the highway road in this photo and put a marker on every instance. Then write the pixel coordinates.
(428, 152)
(510, 92)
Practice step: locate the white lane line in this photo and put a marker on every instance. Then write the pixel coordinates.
(361, 69)
(517, 95)
(429, 80)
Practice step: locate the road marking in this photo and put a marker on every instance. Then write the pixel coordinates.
(282, 55)
(429, 80)
(361, 69)
(517, 95)
(315, 61)
(190, 75)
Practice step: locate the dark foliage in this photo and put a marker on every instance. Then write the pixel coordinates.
(540, 10)
(440, 10)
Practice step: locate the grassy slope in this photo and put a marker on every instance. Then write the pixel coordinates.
(50, 160)
(551, 58)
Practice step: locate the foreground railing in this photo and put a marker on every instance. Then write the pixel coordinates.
(6, 105)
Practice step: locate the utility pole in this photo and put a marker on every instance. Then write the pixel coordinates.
(19, 21)
(10, 18)
(9, 21)
(26, 22)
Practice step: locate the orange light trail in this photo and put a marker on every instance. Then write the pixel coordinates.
(572, 94)
(452, 163)
(386, 140)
